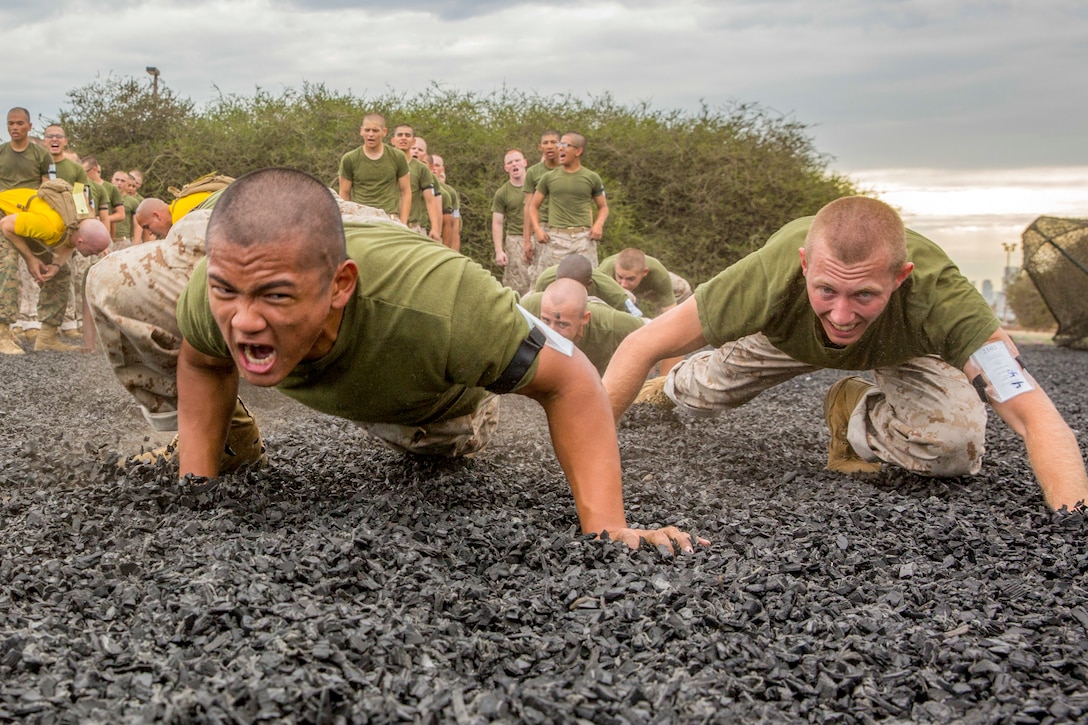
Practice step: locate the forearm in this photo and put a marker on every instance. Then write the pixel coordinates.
(1055, 458)
(584, 438)
(627, 371)
(496, 233)
(206, 397)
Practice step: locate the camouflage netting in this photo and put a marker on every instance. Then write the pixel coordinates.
(1056, 257)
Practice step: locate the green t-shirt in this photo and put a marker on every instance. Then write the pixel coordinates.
(374, 182)
(23, 169)
(532, 178)
(606, 329)
(420, 179)
(510, 202)
(115, 198)
(654, 292)
(70, 171)
(425, 332)
(100, 198)
(936, 311)
(451, 201)
(602, 286)
(123, 229)
(571, 196)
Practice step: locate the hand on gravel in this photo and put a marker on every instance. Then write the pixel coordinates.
(669, 537)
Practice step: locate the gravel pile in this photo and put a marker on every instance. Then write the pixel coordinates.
(348, 584)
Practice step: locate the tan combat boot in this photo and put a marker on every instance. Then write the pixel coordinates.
(652, 392)
(8, 346)
(243, 448)
(842, 398)
(48, 339)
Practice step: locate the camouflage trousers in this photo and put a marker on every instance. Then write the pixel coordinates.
(923, 415)
(52, 295)
(133, 296)
(458, 437)
(516, 274)
(681, 290)
(563, 242)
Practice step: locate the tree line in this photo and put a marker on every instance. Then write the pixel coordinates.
(698, 189)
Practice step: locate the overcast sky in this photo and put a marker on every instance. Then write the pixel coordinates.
(954, 85)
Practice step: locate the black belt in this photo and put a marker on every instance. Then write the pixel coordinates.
(521, 362)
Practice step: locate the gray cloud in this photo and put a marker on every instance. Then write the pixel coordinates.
(880, 82)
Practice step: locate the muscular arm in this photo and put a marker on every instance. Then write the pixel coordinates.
(207, 390)
(404, 188)
(533, 215)
(584, 438)
(1051, 445)
(497, 220)
(675, 333)
(597, 231)
(433, 202)
(346, 186)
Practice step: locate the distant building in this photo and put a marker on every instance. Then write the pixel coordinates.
(988, 291)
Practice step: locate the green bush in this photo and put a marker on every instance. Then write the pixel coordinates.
(1028, 305)
(698, 191)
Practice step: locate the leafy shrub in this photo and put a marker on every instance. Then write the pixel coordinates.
(698, 191)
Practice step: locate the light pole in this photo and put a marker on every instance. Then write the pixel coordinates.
(1009, 248)
(154, 73)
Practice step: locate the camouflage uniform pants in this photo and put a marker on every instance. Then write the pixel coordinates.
(462, 436)
(923, 415)
(681, 290)
(133, 295)
(534, 267)
(516, 273)
(52, 296)
(564, 242)
(78, 265)
(28, 298)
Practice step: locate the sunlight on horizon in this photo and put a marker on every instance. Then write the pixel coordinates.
(972, 213)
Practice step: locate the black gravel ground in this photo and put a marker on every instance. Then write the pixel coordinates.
(348, 584)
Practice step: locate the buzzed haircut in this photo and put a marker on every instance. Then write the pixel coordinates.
(372, 116)
(407, 126)
(279, 205)
(20, 109)
(89, 161)
(631, 260)
(565, 291)
(856, 228)
(550, 132)
(576, 267)
(579, 139)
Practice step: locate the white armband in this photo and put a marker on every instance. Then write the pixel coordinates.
(1002, 377)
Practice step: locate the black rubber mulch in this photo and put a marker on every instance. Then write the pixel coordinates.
(348, 584)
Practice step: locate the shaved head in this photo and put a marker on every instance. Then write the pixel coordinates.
(275, 206)
(564, 307)
(576, 267)
(855, 229)
(154, 215)
(92, 237)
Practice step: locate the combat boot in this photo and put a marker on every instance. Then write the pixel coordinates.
(839, 404)
(244, 446)
(652, 392)
(74, 333)
(48, 339)
(8, 346)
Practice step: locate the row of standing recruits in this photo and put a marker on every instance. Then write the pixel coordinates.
(402, 180)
